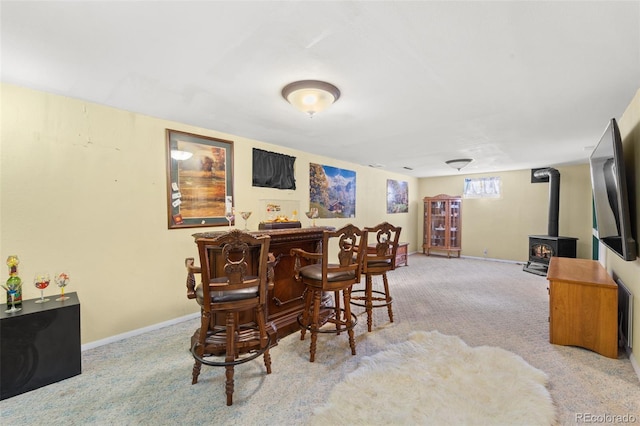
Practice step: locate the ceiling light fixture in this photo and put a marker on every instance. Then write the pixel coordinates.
(310, 96)
(459, 163)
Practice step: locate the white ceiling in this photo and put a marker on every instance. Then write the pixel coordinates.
(513, 85)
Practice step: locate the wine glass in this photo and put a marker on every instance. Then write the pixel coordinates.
(312, 214)
(62, 279)
(230, 215)
(309, 214)
(12, 290)
(41, 281)
(245, 216)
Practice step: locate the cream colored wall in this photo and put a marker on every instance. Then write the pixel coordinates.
(83, 187)
(629, 272)
(502, 226)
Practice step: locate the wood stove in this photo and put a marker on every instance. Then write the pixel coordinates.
(543, 247)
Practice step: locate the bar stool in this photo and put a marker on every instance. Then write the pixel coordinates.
(230, 289)
(379, 259)
(326, 276)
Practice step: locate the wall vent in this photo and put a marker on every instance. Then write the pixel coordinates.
(625, 316)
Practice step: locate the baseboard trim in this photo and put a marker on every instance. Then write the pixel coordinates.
(634, 363)
(491, 259)
(138, 331)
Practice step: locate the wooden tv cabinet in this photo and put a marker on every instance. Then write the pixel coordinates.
(583, 305)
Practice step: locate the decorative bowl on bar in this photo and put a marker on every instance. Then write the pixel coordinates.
(280, 222)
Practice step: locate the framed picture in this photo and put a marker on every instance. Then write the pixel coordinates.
(199, 180)
(397, 196)
(332, 191)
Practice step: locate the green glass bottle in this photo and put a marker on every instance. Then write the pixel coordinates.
(14, 281)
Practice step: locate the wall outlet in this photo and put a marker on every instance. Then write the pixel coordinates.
(485, 251)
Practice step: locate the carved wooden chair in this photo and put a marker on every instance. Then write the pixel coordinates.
(379, 259)
(228, 295)
(319, 274)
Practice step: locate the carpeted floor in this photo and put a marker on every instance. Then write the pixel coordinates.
(146, 380)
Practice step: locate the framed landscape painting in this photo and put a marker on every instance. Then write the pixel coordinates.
(199, 180)
(332, 191)
(397, 196)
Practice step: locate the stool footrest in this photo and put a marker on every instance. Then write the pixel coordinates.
(329, 318)
(373, 299)
(248, 356)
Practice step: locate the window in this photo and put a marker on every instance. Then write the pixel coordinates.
(489, 187)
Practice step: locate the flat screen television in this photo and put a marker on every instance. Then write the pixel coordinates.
(610, 196)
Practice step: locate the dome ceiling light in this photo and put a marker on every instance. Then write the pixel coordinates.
(311, 96)
(459, 163)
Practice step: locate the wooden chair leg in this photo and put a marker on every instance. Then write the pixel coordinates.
(230, 356)
(197, 365)
(264, 340)
(368, 301)
(202, 339)
(306, 313)
(315, 324)
(336, 311)
(388, 297)
(346, 294)
(229, 384)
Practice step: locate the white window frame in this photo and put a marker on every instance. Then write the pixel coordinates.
(486, 187)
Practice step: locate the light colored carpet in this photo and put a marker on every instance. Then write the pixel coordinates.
(146, 380)
(437, 379)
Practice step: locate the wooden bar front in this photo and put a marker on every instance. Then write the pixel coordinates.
(284, 300)
(583, 305)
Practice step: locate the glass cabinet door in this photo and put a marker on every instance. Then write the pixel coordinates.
(438, 224)
(454, 223)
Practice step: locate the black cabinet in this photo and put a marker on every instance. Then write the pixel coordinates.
(39, 345)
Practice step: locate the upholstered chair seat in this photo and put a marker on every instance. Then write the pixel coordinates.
(314, 272)
(227, 296)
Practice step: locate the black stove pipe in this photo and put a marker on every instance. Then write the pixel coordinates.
(554, 197)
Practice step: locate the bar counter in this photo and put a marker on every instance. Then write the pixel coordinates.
(284, 299)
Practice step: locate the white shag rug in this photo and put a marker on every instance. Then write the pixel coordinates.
(435, 379)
